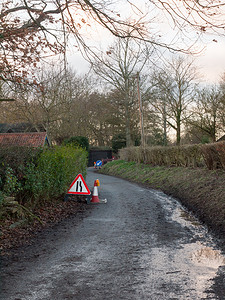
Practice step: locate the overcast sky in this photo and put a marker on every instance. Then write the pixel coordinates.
(210, 62)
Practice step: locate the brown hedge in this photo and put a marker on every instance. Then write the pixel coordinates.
(211, 156)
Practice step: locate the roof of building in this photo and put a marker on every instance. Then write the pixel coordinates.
(20, 127)
(28, 139)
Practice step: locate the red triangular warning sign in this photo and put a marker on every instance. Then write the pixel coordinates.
(79, 186)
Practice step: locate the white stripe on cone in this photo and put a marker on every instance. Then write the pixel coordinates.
(95, 198)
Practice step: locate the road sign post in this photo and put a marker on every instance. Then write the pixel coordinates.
(99, 164)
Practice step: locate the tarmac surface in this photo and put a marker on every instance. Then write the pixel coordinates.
(141, 244)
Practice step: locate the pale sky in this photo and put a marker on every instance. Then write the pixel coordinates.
(210, 62)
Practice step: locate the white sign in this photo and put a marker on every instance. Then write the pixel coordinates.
(79, 186)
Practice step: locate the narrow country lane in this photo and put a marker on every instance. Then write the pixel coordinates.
(141, 244)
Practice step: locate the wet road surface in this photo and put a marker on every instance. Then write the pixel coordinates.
(141, 244)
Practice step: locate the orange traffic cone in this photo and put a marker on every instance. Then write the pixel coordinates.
(95, 198)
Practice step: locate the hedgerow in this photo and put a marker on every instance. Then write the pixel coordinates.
(29, 178)
(55, 170)
(211, 156)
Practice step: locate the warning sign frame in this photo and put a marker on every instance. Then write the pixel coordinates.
(79, 176)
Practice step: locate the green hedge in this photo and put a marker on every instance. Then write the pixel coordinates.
(55, 170)
(211, 155)
(15, 160)
(37, 176)
(78, 142)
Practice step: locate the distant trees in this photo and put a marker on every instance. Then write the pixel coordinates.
(208, 113)
(65, 105)
(100, 118)
(173, 92)
(51, 103)
(207, 122)
(196, 114)
(120, 68)
(222, 88)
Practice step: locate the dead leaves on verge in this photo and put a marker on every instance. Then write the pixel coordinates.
(15, 234)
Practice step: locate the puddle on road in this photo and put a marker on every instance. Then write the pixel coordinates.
(191, 265)
(175, 212)
(207, 260)
(187, 216)
(203, 254)
(208, 257)
(183, 273)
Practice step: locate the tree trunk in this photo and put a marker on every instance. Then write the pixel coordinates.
(178, 129)
(127, 113)
(164, 124)
(127, 117)
(214, 129)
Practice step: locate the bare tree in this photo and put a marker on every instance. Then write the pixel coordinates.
(58, 104)
(120, 66)
(33, 29)
(30, 30)
(222, 88)
(204, 15)
(174, 90)
(209, 113)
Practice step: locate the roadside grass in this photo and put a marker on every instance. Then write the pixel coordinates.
(201, 190)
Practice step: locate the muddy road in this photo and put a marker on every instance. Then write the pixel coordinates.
(142, 244)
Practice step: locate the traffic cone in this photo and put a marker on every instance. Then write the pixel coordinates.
(95, 198)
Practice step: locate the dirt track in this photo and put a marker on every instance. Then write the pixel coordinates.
(140, 245)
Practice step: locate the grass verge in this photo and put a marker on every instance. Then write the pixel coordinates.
(202, 191)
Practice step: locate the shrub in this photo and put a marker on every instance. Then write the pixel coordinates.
(78, 141)
(16, 158)
(39, 176)
(210, 155)
(13, 165)
(214, 155)
(12, 184)
(167, 156)
(118, 142)
(220, 147)
(55, 170)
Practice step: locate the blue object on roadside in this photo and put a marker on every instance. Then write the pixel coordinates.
(98, 163)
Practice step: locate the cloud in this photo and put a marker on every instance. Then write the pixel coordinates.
(211, 62)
